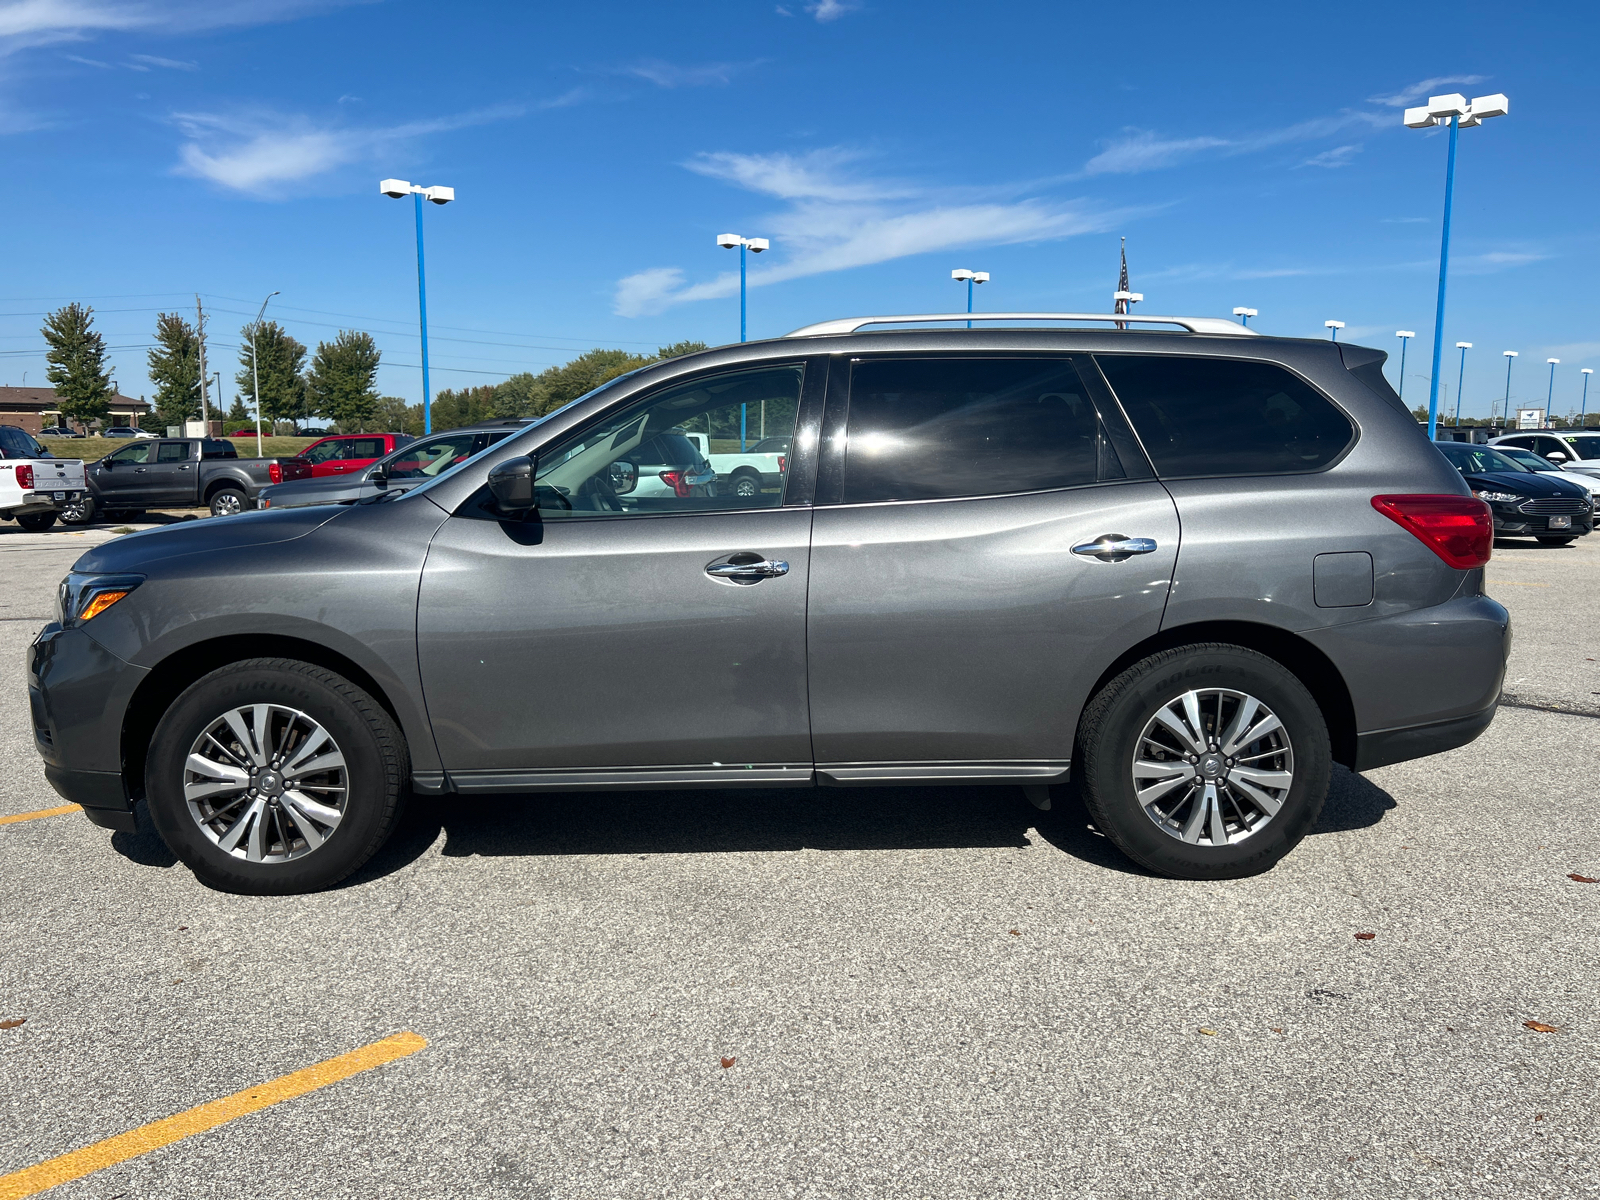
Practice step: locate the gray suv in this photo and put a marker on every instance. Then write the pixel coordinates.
(1190, 569)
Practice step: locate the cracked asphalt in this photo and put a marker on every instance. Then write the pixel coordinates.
(923, 992)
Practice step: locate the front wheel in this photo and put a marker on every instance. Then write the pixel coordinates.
(77, 512)
(1205, 762)
(36, 522)
(275, 777)
(228, 501)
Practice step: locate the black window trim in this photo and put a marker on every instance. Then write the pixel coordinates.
(1355, 425)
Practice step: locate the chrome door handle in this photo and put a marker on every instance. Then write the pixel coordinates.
(766, 568)
(1114, 547)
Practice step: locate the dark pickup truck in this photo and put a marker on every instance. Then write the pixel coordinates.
(172, 473)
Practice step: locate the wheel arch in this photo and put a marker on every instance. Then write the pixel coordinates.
(1307, 663)
(169, 678)
(228, 483)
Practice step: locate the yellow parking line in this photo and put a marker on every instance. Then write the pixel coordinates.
(63, 1169)
(43, 812)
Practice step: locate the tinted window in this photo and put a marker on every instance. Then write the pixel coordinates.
(171, 452)
(327, 451)
(641, 460)
(1479, 459)
(218, 449)
(14, 442)
(367, 448)
(924, 429)
(1215, 416)
(1527, 458)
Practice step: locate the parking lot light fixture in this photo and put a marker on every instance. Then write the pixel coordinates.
(755, 245)
(1454, 111)
(1405, 336)
(1583, 410)
(1333, 327)
(971, 278)
(255, 371)
(1549, 395)
(1244, 315)
(396, 189)
(1505, 414)
(1461, 376)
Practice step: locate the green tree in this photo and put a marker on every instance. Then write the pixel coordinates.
(342, 382)
(238, 415)
(77, 363)
(394, 415)
(453, 409)
(175, 370)
(679, 349)
(282, 363)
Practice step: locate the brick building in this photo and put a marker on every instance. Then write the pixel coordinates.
(33, 408)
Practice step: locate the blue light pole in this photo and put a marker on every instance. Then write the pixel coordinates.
(1583, 413)
(1550, 392)
(1405, 336)
(396, 188)
(1506, 415)
(1461, 376)
(1333, 328)
(755, 245)
(1453, 111)
(971, 277)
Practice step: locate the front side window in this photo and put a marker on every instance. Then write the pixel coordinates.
(139, 452)
(431, 457)
(938, 428)
(327, 451)
(1200, 417)
(641, 460)
(14, 443)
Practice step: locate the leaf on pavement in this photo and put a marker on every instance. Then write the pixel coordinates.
(1016, 933)
(1208, 1032)
(1365, 937)
(1540, 1027)
(728, 1062)
(13, 1024)
(1582, 879)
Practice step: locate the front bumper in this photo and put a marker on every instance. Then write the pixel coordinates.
(1508, 522)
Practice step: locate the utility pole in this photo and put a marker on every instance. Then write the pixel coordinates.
(200, 334)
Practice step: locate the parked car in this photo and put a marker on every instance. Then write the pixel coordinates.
(415, 462)
(741, 472)
(972, 575)
(172, 473)
(250, 433)
(1525, 503)
(344, 454)
(1570, 450)
(59, 431)
(1543, 466)
(34, 482)
(126, 431)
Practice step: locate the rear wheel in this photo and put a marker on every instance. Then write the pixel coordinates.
(77, 512)
(1205, 762)
(36, 522)
(744, 483)
(273, 777)
(225, 502)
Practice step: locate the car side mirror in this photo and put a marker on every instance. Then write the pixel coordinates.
(1556, 456)
(378, 473)
(511, 484)
(623, 477)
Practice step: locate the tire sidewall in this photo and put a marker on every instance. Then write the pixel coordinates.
(1109, 786)
(244, 501)
(370, 802)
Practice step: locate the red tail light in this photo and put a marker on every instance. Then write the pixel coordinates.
(275, 472)
(677, 481)
(783, 463)
(1459, 529)
(25, 476)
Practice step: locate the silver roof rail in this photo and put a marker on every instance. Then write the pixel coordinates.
(1213, 325)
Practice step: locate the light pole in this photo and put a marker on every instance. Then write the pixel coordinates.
(1405, 336)
(1454, 111)
(755, 245)
(1550, 392)
(1583, 413)
(396, 188)
(1124, 303)
(1333, 328)
(1461, 376)
(971, 278)
(255, 371)
(1244, 315)
(1505, 414)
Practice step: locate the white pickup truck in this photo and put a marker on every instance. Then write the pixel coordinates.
(33, 482)
(748, 472)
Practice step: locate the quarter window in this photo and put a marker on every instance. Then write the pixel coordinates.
(939, 428)
(1216, 416)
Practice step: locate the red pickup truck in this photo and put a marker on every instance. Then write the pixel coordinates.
(342, 454)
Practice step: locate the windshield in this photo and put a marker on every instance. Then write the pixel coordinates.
(1477, 460)
(429, 458)
(1527, 458)
(1584, 445)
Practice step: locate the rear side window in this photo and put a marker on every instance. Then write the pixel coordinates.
(367, 448)
(938, 428)
(1218, 416)
(170, 452)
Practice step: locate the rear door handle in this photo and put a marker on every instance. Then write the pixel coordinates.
(1115, 547)
(748, 572)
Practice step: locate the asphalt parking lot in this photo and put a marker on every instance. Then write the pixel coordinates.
(845, 993)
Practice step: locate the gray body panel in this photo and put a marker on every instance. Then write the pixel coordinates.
(301, 493)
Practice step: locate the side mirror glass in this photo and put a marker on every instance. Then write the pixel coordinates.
(624, 477)
(511, 484)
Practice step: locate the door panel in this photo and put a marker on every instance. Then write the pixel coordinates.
(967, 630)
(605, 644)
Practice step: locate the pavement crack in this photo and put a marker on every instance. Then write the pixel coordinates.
(1511, 700)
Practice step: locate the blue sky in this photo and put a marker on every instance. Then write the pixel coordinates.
(1252, 154)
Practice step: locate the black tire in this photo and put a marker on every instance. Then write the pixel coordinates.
(227, 501)
(376, 763)
(77, 512)
(744, 483)
(36, 522)
(1116, 719)
(1557, 541)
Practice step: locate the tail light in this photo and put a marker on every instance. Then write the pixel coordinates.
(783, 463)
(275, 472)
(1459, 529)
(678, 481)
(25, 476)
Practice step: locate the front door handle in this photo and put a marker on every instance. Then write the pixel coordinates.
(754, 570)
(1115, 547)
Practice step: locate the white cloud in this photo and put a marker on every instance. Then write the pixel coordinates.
(1339, 156)
(249, 153)
(1424, 89)
(146, 61)
(1143, 150)
(1495, 260)
(836, 220)
(830, 10)
(27, 23)
(673, 75)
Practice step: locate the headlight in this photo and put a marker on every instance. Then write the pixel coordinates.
(84, 597)
(1498, 497)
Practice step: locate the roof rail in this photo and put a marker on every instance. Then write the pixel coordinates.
(1213, 325)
